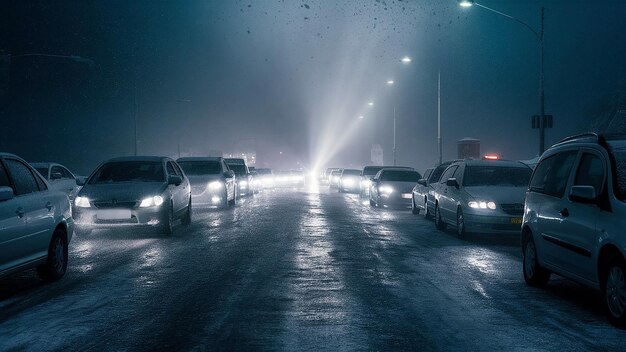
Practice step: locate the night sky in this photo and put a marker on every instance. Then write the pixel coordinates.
(293, 77)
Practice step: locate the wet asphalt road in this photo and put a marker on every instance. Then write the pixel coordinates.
(299, 270)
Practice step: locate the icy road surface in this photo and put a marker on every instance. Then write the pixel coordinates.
(299, 270)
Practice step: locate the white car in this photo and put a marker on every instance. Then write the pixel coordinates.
(393, 186)
(148, 192)
(482, 196)
(212, 182)
(59, 178)
(575, 218)
(36, 223)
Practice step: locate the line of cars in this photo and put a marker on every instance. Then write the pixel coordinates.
(42, 205)
(569, 210)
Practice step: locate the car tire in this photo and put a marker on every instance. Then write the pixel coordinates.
(461, 232)
(167, 226)
(614, 290)
(439, 223)
(233, 201)
(534, 274)
(186, 219)
(414, 209)
(56, 263)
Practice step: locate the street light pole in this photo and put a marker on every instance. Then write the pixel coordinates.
(394, 135)
(539, 36)
(439, 115)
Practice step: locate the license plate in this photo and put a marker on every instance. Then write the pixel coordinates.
(114, 214)
(516, 220)
(406, 195)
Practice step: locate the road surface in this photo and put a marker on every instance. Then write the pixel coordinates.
(299, 270)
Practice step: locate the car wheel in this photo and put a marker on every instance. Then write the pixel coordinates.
(186, 220)
(168, 221)
(614, 291)
(534, 274)
(439, 224)
(460, 223)
(56, 264)
(414, 209)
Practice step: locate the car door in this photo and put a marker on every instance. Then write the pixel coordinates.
(445, 193)
(550, 181)
(454, 194)
(186, 186)
(35, 205)
(578, 232)
(12, 226)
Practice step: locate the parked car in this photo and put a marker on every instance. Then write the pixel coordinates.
(482, 196)
(244, 179)
(393, 186)
(424, 192)
(575, 218)
(37, 224)
(350, 181)
(59, 178)
(148, 192)
(212, 182)
(368, 173)
(333, 178)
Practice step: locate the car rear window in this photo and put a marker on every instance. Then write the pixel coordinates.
(400, 176)
(201, 167)
(496, 176)
(129, 171)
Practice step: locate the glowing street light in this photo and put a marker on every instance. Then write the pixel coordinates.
(406, 60)
(370, 103)
(361, 117)
(390, 82)
(466, 3)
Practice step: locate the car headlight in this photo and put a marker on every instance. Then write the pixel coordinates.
(366, 183)
(348, 182)
(82, 202)
(385, 189)
(482, 205)
(151, 202)
(243, 183)
(215, 185)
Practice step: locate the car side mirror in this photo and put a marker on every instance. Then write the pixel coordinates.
(174, 180)
(56, 175)
(452, 182)
(80, 181)
(583, 194)
(6, 193)
(421, 181)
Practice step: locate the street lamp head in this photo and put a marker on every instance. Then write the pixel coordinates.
(406, 60)
(370, 103)
(361, 117)
(390, 82)
(466, 3)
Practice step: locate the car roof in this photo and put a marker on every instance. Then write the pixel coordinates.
(139, 158)
(500, 163)
(402, 168)
(199, 158)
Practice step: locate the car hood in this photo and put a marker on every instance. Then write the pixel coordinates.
(123, 191)
(203, 180)
(502, 195)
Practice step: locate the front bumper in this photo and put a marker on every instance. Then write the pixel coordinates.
(396, 199)
(496, 223)
(140, 217)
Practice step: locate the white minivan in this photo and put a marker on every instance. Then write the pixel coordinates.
(574, 221)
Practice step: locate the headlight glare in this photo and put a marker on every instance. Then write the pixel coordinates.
(482, 205)
(82, 202)
(215, 185)
(385, 189)
(151, 202)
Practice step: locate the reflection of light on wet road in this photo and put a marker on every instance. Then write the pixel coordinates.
(482, 260)
(478, 287)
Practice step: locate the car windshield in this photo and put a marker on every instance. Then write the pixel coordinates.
(238, 169)
(496, 176)
(400, 176)
(371, 170)
(351, 172)
(201, 167)
(618, 153)
(129, 171)
(43, 171)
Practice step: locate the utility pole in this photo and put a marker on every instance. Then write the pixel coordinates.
(394, 136)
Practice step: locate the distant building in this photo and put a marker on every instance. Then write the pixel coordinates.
(468, 148)
(377, 155)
